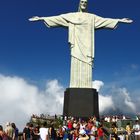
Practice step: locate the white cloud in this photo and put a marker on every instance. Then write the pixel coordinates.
(19, 99)
(97, 84)
(122, 100)
(114, 99)
(105, 103)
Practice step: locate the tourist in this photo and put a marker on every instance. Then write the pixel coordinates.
(82, 124)
(43, 131)
(93, 132)
(9, 130)
(121, 136)
(136, 130)
(66, 131)
(100, 132)
(15, 134)
(35, 134)
(31, 127)
(128, 131)
(69, 124)
(52, 133)
(114, 130)
(74, 124)
(3, 135)
(60, 133)
(76, 133)
(83, 135)
(26, 132)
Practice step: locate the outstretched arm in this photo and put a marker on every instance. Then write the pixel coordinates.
(125, 20)
(111, 23)
(52, 21)
(36, 18)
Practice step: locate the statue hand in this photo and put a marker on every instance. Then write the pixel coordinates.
(35, 18)
(126, 20)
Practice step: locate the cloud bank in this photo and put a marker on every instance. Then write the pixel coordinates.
(19, 99)
(114, 99)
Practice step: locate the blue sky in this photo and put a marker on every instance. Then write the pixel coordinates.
(32, 51)
(31, 54)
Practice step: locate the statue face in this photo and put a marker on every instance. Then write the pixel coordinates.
(83, 5)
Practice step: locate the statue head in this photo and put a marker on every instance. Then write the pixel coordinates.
(83, 6)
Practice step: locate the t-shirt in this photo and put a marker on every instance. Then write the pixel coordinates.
(9, 131)
(43, 133)
(16, 132)
(121, 137)
(69, 125)
(136, 128)
(100, 132)
(27, 132)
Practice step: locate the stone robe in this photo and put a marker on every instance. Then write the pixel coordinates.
(81, 27)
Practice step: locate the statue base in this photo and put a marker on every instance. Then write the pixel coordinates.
(81, 102)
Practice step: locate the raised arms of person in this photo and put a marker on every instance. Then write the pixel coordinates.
(125, 20)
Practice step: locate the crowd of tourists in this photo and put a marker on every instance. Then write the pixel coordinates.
(72, 129)
(10, 132)
(82, 129)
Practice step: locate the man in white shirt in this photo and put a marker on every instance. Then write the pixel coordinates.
(136, 129)
(43, 131)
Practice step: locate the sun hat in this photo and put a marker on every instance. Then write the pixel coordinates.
(82, 132)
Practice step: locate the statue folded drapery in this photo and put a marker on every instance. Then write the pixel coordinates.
(81, 27)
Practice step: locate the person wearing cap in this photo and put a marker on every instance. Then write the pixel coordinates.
(83, 135)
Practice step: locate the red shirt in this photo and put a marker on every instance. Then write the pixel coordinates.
(70, 125)
(100, 132)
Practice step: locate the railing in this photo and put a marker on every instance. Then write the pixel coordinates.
(20, 136)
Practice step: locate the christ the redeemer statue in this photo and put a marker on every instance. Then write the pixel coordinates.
(81, 27)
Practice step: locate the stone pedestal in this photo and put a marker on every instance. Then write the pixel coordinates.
(81, 102)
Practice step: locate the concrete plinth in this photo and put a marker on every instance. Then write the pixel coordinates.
(81, 102)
